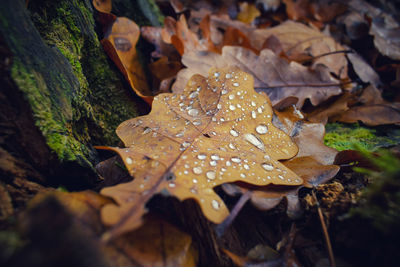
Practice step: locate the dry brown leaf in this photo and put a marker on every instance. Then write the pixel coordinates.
(322, 10)
(311, 171)
(163, 69)
(384, 28)
(183, 39)
(102, 5)
(84, 205)
(308, 136)
(217, 130)
(234, 37)
(327, 10)
(298, 10)
(153, 36)
(386, 37)
(223, 22)
(322, 113)
(248, 12)
(372, 115)
(364, 71)
(373, 111)
(157, 243)
(120, 45)
(272, 74)
(299, 40)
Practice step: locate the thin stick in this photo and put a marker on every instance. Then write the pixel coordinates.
(325, 231)
(220, 228)
(332, 53)
(304, 85)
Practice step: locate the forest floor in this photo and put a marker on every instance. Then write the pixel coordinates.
(269, 137)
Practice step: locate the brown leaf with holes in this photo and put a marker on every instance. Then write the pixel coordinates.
(218, 130)
(120, 45)
(276, 76)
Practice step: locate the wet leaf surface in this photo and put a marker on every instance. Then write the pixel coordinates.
(217, 130)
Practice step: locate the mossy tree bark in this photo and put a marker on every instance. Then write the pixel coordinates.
(60, 94)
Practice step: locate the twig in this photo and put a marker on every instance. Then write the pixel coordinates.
(325, 231)
(220, 228)
(304, 85)
(332, 53)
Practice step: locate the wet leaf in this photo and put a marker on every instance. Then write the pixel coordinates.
(276, 76)
(313, 163)
(120, 45)
(217, 130)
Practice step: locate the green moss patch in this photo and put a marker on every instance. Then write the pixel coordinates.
(346, 136)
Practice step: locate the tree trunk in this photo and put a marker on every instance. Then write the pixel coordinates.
(60, 93)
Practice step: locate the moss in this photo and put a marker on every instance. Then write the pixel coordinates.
(71, 30)
(143, 12)
(347, 136)
(151, 11)
(76, 98)
(380, 201)
(51, 124)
